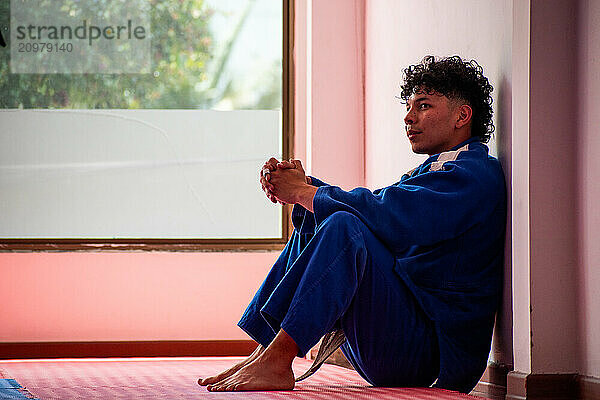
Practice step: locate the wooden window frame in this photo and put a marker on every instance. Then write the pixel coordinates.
(228, 245)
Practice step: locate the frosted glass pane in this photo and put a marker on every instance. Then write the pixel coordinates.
(136, 173)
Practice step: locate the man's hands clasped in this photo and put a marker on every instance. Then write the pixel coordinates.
(286, 182)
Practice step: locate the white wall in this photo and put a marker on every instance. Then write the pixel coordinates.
(588, 104)
(402, 33)
(519, 243)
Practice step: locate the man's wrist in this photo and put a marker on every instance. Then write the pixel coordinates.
(306, 197)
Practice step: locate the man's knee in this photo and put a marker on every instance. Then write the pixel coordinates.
(342, 221)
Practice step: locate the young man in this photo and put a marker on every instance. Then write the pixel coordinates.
(410, 273)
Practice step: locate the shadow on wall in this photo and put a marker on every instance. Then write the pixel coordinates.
(502, 341)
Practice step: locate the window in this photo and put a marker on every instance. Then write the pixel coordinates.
(142, 124)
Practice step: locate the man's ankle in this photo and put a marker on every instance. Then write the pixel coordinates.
(281, 351)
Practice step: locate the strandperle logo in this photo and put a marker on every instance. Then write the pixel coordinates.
(83, 36)
(84, 31)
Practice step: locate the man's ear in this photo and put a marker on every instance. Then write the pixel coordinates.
(465, 113)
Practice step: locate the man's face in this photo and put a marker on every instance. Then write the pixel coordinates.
(430, 123)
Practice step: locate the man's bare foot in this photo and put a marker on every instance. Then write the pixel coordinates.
(227, 373)
(261, 374)
(270, 370)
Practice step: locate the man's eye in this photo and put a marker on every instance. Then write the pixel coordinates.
(424, 106)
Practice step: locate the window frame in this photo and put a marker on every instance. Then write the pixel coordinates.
(202, 245)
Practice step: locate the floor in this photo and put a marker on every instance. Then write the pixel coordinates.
(175, 378)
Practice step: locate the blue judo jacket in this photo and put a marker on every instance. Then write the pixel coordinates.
(445, 223)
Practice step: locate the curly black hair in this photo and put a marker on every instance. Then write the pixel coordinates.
(454, 78)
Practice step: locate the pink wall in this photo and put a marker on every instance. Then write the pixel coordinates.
(193, 296)
(337, 93)
(126, 296)
(587, 100)
(553, 191)
(556, 280)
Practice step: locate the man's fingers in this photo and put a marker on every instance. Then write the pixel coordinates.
(270, 195)
(286, 165)
(267, 187)
(265, 173)
(273, 198)
(290, 164)
(298, 164)
(265, 177)
(272, 163)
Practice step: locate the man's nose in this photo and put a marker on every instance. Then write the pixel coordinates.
(409, 118)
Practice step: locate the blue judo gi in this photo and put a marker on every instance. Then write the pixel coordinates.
(412, 273)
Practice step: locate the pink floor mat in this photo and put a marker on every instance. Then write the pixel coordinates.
(175, 378)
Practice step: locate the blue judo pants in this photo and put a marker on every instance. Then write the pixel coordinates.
(341, 276)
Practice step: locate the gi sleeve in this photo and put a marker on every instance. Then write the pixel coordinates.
(317, 182)
(423, 210)
(302, 219)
